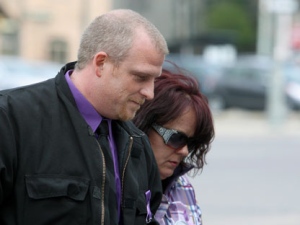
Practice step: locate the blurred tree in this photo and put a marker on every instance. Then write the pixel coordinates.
(236, 17)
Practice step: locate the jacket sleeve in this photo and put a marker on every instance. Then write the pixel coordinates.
(154, 181)
(7, 157)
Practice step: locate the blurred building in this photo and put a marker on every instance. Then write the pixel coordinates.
(180, 21)
(51, 30)
(46, 30)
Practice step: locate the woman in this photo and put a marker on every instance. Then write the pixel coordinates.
(180, 128)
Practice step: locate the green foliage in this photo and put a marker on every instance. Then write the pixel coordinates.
(234, 18)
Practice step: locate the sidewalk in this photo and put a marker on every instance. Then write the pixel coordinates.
(237, 122)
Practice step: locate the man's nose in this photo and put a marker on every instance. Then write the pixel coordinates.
(148, 90)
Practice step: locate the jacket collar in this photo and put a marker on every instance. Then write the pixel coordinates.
(180, 170)
(62, 84)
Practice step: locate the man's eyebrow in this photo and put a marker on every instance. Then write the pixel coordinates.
(142, 73)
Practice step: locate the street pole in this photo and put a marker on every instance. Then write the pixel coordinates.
(276, 105)
(277, 109)
(265, 38)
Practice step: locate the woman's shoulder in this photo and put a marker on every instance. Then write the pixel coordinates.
(184, 180)
(181, 190)
(179, 204)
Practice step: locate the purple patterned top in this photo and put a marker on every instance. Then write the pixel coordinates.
(179, 205)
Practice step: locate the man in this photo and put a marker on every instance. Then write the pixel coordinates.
(55, 167)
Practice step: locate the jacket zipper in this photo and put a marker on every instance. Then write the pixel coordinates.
(103, 186)
(104, 171)
(126, 162)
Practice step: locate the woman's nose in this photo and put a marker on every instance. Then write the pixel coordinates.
(184, 151)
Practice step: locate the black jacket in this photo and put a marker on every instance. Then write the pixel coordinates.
(52, 168)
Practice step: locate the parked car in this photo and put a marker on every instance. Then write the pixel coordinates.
(207, 74)
(292, 84)
(246, 84)
(16, 71)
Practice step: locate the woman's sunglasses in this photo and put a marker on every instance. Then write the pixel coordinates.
(174, 138)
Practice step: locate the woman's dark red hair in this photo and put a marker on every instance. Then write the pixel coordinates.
(174, 92)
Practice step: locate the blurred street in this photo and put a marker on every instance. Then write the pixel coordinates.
(253, 171)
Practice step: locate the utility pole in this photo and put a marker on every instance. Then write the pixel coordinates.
(265, 39)
(277, 108)
(282, 11)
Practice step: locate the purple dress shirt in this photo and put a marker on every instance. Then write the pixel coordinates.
(93, 119)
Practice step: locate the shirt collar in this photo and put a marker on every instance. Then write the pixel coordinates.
(88, 112)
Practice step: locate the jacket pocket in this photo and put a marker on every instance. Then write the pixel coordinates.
(56, 199)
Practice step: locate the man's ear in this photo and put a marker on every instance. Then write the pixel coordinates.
(99, 59)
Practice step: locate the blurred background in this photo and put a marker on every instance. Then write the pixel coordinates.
(246, 57)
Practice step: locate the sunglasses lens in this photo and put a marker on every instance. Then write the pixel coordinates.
(177, 140)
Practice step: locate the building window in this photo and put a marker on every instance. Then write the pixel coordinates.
(9, 45)
(9, 37)
(58, 51)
